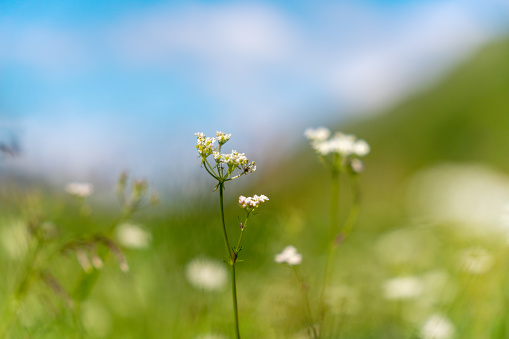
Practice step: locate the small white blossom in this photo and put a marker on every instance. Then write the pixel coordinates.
(79, 189)
(222, 137)
(289, 256)
(437, 327)
(251, 203)
(360, 148)
(403, 288)
(133, 236)
(319, 134)
(206, 274)
(343, 144)
(356, 165)
(204, 145)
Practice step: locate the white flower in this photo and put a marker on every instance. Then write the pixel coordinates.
(437, 327)
(79, 189)
(204, 145)
(133, 236)
(222, 137)
(251, 203)
(319, 134)
(403, 288)
(289, 256)
(206, 274)
(343, 144)
(360, 148)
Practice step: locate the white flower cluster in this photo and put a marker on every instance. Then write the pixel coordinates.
(289, 256)
(79, 189)
(342, 144)
(233, 159)
(222, 137)
(204, 145)
(437, 327)
(251, 203)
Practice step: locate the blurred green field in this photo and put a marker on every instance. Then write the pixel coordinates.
(431, 239)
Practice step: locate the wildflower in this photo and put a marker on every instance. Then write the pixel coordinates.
(437, 327)
(79, 189)
(251, 203)
(222, 138)
(204, 145)
(403, 288)
(342, 144)
(132, 236)
(319, 134)
(206, 274)
(289, 256)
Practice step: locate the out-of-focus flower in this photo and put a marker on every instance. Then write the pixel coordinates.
(251, 203)
(289, 256)
(318, 134)
(206, 274)
(133, 236)
(403, 288)
(344, 145)
(437, 327)
(79, 189)
(476, 260)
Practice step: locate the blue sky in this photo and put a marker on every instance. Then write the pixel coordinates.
(101, 86)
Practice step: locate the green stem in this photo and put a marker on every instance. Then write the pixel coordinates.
(12, 308)
(235, 307)
(221, 208)
(307, 310)
(232, 259)
(333, 232)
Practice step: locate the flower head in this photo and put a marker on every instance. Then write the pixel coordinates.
(343, 144)
(222, 137)
(251, 203)
(79, 189)
(437, 327)
(289, 256)
(204, 145)
(319, 134)
(206, 274)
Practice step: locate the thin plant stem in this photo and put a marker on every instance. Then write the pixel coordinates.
(235, 307)
(307, 310)
(221, 208)
(333, 231)
(232, 259)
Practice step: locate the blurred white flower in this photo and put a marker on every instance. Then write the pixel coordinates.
(318, 134)
(466, 195)
(79, 189)
(437, 327)
(206, 274)
(289, 256)
(403, 288)
(476, 260)
(343, 144)
(133, 236)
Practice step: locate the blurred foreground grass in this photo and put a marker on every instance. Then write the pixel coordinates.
(430, 249)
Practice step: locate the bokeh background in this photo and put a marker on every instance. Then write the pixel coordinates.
(91, 89)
